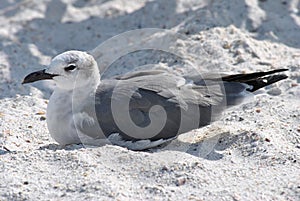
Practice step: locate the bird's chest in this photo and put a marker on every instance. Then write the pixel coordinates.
(59, 119)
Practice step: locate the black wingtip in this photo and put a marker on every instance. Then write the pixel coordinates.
(258, 79)
(250, 76)
(265, 81)
(278, 70)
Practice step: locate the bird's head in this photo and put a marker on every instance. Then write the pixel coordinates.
(68, 70)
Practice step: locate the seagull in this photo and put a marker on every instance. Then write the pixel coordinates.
(141, 109)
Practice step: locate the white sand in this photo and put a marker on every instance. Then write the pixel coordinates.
(255, 149)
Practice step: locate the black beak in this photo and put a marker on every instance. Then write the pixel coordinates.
(38, 75)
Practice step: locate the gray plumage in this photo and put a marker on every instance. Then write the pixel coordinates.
(205, 99)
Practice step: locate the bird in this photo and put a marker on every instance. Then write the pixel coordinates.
(141, 109)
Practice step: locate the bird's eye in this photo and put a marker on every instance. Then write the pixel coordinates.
(70, 67)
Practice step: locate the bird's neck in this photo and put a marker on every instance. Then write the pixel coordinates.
(81, 91)
(86, 90)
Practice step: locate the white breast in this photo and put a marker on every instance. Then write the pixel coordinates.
(59, 118)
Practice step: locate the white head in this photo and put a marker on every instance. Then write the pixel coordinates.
(69, 69)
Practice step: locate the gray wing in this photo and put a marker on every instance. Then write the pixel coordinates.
(154, 105)
(131, 103)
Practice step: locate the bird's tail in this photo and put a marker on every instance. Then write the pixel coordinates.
(257, 80)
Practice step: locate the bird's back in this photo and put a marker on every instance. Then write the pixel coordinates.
(155, 106)
(160, 105)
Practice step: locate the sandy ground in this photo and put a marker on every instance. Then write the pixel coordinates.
(252, 153)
